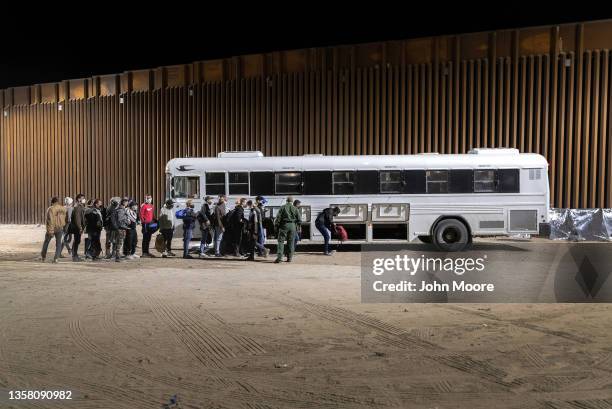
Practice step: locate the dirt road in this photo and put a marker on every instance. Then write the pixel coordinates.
(237, 334)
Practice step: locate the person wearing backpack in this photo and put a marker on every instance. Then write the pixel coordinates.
(110, 232)
(205, 217)
(189, 219)
(325, 224)
(219, 225)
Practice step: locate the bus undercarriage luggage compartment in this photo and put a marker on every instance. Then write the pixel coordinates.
(390, 212)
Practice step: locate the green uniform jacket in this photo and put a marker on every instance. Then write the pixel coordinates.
(287, 213)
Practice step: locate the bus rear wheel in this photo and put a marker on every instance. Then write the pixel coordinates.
(451, 235)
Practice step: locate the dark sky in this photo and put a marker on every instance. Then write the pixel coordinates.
(107, 44)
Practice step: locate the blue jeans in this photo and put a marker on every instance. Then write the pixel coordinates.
(218, 238)
(326, 236)
(58, 234)
(261, 240)
(187, 235)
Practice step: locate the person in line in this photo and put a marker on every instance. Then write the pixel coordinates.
(167, 222)
(55, 221)
(255, 227)
(77, 225)
(67, 235)
(325, 224)
(204, 219)
(111, 233)
(219, 216)
(189, 221)
(120, 221)
(147, 213)
(93, 227)
(131, 235)
(88, 208)
(237, 223)
(261, 201)
(286, 223)
(298, 232)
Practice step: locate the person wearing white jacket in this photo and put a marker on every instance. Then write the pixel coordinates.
(167, 221)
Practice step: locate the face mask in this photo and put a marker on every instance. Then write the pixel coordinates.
(148, 200)
(83, 201)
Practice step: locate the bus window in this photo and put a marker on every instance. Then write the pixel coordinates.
(508, 181)
(215, 183)
(461, 181)
(415, 181)
(343, 183)
(318, 182)
(238, 183)
(367, 182)
(262, 183)
(391, 181)
(186, 187)
(288, 183)
(484, 181)
(437, 181)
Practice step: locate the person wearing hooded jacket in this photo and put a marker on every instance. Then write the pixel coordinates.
(93, 228)
(205, 217)
(77, 225)
(108, 227)
(120, 223)
(189, 221)
(131, 235)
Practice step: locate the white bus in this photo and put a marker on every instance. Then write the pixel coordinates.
(444, 199)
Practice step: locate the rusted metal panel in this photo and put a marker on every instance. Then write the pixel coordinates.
(546, 90)
(21, 95)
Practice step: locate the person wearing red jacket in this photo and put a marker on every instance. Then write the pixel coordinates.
(147, 210)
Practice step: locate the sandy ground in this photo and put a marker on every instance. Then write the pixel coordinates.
(237, 334)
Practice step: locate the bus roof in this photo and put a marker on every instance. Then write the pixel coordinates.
(482, 158)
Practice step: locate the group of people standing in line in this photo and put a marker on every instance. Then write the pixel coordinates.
(222, 232)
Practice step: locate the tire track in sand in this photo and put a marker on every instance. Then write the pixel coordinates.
(398, 337)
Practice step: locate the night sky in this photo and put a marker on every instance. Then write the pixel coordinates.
(112, 45)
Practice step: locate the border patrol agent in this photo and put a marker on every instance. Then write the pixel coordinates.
(285, 223)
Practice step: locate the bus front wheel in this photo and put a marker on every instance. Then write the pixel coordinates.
(451, 235)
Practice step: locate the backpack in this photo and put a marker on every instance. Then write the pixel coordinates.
(180, 214)
(341, 233)
(227, 218)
